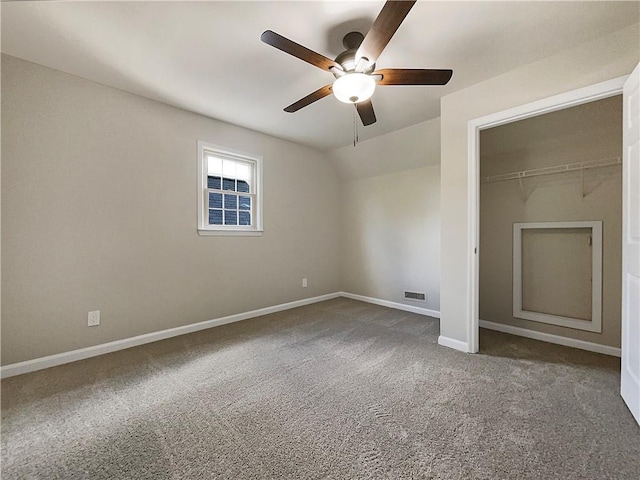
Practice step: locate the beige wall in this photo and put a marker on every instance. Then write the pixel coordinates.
(391, 236)
(602, 59)
(99, 212)
(585, 133)
(405, 149)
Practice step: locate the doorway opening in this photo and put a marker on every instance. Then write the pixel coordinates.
(550, 191)
(525, 192)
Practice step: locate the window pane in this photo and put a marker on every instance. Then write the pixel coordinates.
(230, 201)
(215, 200)
(229, 168)
(230, 217)
(243, 186)
(229, 184)
(245, 203)
(213, 182)
(215, 217)
(244, 218)
(214, 165)
(243, 171)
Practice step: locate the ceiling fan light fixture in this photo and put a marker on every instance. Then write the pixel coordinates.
(354, 87)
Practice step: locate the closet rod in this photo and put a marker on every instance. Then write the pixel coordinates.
(571, 167)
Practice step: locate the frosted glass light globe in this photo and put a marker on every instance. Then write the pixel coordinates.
(354, 87)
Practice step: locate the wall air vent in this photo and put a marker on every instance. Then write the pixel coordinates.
(415, 296)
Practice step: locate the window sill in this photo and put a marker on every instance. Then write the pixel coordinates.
(229, 233)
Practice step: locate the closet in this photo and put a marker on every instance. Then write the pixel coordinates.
(550, 223)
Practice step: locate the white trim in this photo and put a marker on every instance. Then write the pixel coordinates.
(547, 105)
(562, 101)
(397, 306)
(550, 338)
(453, 343)
(88, 352)
(473, 219)
(229, 233)
(593, 325)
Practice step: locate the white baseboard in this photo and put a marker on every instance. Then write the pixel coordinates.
(548, 337)
(453, 343)
(398, 306)
(88, 352)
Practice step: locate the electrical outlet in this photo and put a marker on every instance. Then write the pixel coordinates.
(304, 283)
(94, 318)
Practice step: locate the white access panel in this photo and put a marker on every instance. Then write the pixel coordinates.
(593, 324)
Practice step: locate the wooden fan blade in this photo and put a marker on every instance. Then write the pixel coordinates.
(365, 110)
(388, 21)
(298, 51)
(312, 97)
(417, 76)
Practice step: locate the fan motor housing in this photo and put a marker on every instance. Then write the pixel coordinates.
(347, 59)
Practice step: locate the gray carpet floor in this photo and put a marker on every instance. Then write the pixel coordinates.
(336, 390)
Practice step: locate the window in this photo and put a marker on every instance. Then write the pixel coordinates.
(229, 189)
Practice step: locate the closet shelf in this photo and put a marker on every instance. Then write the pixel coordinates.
(571, 167)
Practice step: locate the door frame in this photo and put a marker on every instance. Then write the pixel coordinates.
(569, 99)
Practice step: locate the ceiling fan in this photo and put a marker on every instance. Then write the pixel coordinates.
(354, 69)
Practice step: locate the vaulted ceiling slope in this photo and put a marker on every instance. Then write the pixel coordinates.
(207, 57)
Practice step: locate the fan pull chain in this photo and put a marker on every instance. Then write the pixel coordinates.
(355, 129)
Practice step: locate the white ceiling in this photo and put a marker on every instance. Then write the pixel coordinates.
(207, 57)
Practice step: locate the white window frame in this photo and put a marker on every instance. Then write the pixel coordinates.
(595, 325)
(204, 228)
